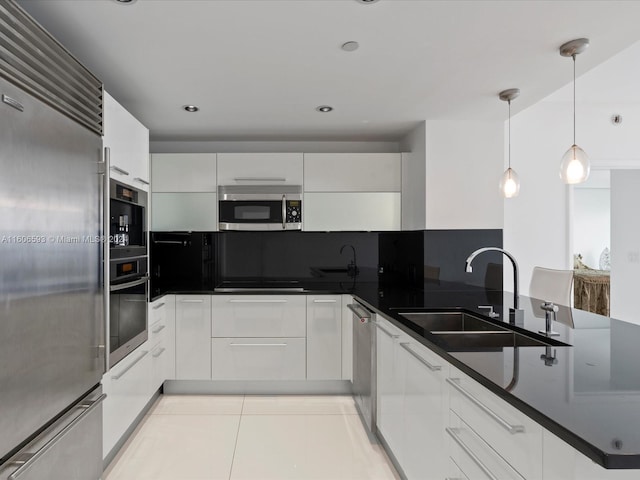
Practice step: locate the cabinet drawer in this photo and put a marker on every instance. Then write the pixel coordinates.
(258, 358)
(473, 456)
(259, 316)
(159, 364)
(510, 432)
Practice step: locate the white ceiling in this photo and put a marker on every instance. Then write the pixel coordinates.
(258, 68)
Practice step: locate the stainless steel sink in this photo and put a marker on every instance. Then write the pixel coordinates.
(462, 331)
(450, 322)
(486, 340)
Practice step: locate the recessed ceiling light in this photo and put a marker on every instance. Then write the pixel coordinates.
(366, 1)
(125, 2)
(350, 46)
(324, 108)
(190, 108)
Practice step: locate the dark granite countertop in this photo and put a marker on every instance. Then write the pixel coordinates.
(589, 396)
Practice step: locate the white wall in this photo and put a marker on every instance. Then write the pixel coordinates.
(413, 146)
(464, 161)
(591, 223)
(536, 223)
(272, 146)
(625, 244)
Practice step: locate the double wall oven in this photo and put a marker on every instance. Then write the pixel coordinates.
(128, 270)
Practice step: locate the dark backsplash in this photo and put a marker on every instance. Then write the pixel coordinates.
(401, 258)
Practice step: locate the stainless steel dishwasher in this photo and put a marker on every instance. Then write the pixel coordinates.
(364, 363)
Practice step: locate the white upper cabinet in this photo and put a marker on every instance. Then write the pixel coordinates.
(260, 169)
(351, 211)
(183, 172)
(352, 172)
(128, 143)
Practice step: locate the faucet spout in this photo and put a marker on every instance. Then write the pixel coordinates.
(516, 274)
(352, 268)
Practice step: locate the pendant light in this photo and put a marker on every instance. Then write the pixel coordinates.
(509, 182)
(575, 165)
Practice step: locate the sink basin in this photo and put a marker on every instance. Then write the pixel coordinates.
(485, 340)
(464, 331)
(450, 322)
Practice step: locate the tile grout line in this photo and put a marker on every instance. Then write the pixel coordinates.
(235, 446)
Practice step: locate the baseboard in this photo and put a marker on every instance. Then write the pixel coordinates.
(258, 387)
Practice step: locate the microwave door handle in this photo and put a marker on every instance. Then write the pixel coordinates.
(284, 212)
(115, 288)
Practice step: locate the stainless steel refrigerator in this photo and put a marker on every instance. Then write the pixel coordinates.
(52, 354)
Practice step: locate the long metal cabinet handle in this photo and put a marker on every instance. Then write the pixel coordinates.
(156, 355)
(257, 344)
(122, 286)
(275, 300)
(433, 368)
(118, 170)
(159, 329)
(385, 331)
(454, 382)
(188, 300)
(104, 226)
(453, 432)
(118, 376)
(358, 312)
(324, 301)
(59, 436)
(284, 212)
(260, 179)
(156, 307)
(138, 179)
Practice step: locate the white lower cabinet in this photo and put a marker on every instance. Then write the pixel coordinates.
(509, 432)
(390, 386)
(324, 337)
(412, 405)
(424, 411)
(162, 321)
(474, 457)
(258, 358)
(128, 386)
(193, 337)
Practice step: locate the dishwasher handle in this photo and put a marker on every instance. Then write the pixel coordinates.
(363, 315)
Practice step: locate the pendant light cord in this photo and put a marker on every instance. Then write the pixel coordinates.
(509, 102)
(574, 98)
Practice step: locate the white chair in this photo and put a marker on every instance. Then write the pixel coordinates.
(551, 285)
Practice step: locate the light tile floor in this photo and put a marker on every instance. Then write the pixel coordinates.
(251, 438)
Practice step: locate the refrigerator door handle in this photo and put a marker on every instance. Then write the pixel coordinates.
(103, 166)
(26, 459)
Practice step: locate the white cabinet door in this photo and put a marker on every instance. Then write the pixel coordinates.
(324, 337)
(347, 338)
(162, 336)
(128, 143)
(193, 337)
(184, 212)
(351, 211)
(352, 172)
(183, 172)
(259, 316)
(258, 358)
(507, 430)
(128, 387)
(473, 456)
(260, 169)
(390, 386)
(425, 412)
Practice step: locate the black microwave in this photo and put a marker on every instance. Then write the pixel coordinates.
(264, 207)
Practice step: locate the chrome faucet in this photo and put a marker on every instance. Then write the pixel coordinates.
(515, 314)
(352, 268)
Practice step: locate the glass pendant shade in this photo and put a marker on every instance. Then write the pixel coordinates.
(510, 183)
(575, 166)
